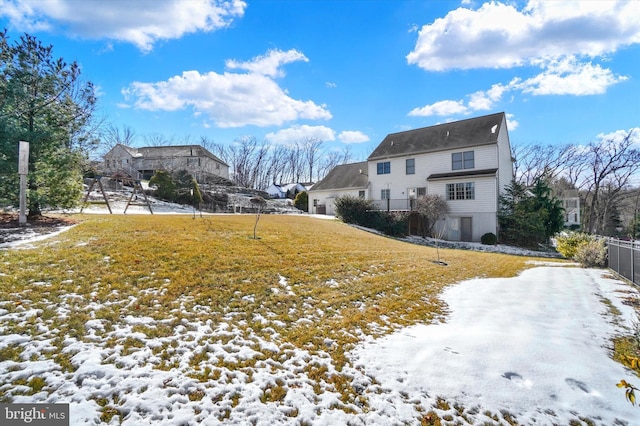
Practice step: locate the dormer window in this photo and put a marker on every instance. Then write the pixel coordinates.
(462, 160)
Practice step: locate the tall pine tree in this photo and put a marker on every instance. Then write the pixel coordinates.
(43, 101)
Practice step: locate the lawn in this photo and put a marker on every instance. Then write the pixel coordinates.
(171, 319)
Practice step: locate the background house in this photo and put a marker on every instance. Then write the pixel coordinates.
(142, 163)
(468, 162)
(571, 203)
(285, 190)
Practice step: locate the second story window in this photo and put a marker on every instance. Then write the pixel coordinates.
(411, 166)
(462, 160)
(384, 168)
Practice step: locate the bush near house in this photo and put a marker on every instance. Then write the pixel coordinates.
(353, 210)
(489, 239)
(301, 201)
(358, 211)
(179, 187)
(394, 224)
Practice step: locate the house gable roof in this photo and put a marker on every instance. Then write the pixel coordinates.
(120, 147)
(172, 150)
(167, 151)
(344, 176)
(455, 135)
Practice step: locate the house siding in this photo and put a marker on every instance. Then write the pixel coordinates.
(504, 159)
(327, 199)
(485, 195)
(399, 183)
(431, 150)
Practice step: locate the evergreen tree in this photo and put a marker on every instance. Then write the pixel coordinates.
(529, 217)
(44, 102)
(302, 201)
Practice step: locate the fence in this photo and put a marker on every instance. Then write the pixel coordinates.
(624, 258)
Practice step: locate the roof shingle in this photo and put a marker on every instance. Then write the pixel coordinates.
(344, 176)
(458, 134)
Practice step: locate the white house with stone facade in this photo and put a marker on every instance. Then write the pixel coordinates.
(142, 163)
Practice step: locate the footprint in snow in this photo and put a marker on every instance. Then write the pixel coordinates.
(517, 379)
(577, 384)
(450, 350)
(512, 376)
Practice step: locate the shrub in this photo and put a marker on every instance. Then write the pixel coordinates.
(359, 211)
(567, 244)
(165, 185)
(592, 253)
(352, 209)
(179, 187)
(394, 224)
(301, 201)
(489, 239)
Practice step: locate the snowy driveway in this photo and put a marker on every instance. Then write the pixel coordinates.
(534, 346)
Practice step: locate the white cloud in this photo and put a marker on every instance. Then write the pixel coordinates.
(512, 123)
(566, 76)
(570, 77)
(230, 99)
(298, 133)
(141, 22)
(485, 100)
(498, 35)
(619, 135)
(440, 108)
(353, 136)
(331, 85)
(270, 63)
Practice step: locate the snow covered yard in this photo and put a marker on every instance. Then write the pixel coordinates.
(533, 347)
(129, 346)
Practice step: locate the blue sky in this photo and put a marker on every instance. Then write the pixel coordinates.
(348, 72)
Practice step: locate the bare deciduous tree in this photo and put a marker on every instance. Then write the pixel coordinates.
(156, 139)
(611, 164)
(432, 208)
(113, 135)
(310, 149)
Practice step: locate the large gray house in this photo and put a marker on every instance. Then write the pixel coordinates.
(142, 163)
(468, 162)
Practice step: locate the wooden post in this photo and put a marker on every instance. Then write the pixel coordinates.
(23, 170)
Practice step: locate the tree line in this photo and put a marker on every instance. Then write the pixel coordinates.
(602, 172)
(253, 164)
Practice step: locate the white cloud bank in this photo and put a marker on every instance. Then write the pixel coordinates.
(560, 38)
(498, 35)
(298, 133)
(140, 22)
(303, 132)
(231, 99)
(353, 136)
